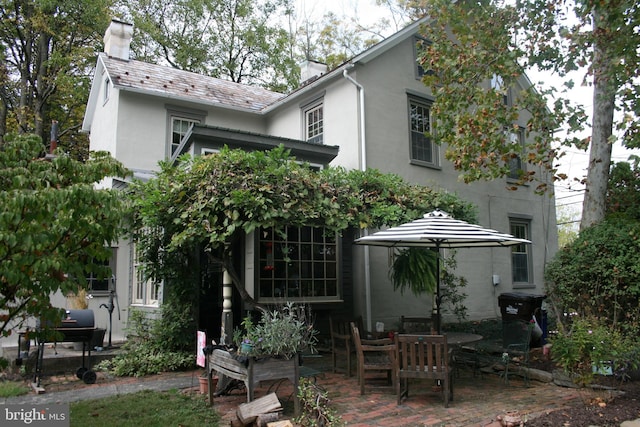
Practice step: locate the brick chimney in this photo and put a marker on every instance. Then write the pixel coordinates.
(117, 39)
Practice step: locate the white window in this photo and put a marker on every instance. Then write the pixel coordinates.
(497, 84)
(423, 150)
(300, 266)
(179, 128)
(516, 167)
(521, 254)
(107, 89)
(314, 123)
(102, 282)
(145, 291)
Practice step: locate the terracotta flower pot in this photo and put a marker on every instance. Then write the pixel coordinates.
(204, 385)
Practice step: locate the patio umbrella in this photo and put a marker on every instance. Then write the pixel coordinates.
(438, 230)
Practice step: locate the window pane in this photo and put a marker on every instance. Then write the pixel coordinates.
(314, 123)
(520, 254)
(180, 127)
(145, 292)
(516, 167)
(300, 265)
(420, 121)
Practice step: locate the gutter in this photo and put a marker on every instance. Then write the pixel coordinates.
(363, 167)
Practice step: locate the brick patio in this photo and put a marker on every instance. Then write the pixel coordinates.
(477, 400)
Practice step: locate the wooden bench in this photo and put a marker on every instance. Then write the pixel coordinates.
(255, 371)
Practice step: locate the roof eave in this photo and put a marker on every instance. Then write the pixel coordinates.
(302, 150)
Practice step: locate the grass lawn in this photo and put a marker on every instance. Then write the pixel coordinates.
(146, 408)
(12, 388)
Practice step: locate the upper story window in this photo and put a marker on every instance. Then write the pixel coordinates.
(314, 123)
(521, 261)
(423, 149)
(418, 46)
(179, 128)
(107, 89)
(516, 167)
(179, 121)
(301, 266)
(497, 84)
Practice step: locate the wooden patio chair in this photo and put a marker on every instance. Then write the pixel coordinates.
(375, 356)
(342, 346)
(423, 357)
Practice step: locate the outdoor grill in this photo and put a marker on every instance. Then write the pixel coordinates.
(75, 326)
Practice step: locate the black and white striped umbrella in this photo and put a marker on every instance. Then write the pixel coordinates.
(438, 230)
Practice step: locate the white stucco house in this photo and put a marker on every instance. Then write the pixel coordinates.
(370, 112)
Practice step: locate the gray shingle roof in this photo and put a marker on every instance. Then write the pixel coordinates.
(178, 84)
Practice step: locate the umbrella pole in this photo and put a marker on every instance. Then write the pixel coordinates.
(438, 319)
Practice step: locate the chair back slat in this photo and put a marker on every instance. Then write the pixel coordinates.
(423, 357)
(422, 353)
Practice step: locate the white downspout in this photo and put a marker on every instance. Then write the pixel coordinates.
(363, 167)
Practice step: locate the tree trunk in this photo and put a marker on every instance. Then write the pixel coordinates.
(593, 205)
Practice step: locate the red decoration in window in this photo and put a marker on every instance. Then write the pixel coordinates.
(269, 265)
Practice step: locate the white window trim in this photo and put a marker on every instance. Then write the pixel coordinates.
(176, 112)
(306, 109)
(142, 291)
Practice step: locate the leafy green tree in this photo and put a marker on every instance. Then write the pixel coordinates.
(47, 52)
(597, 274)
(335, 39)
(209, 202)
(55, 227)
(471, 44)
(623, 191)
(240, 40)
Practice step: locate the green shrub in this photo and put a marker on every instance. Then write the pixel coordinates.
(598, 275)
(144, 360)
(145, 352)
(589, 345)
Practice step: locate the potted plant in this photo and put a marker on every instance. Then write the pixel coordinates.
(280, 333)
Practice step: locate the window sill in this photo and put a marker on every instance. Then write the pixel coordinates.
(424, 164)
(524, 286)
(141, 305)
